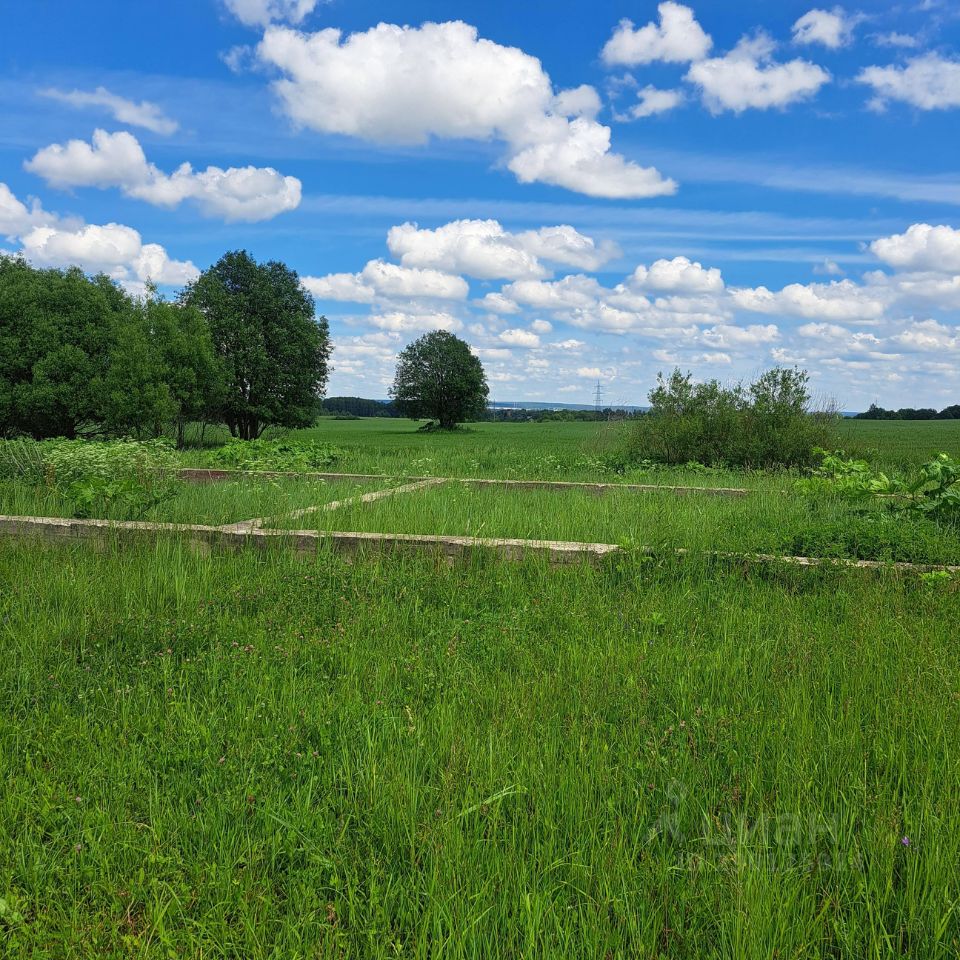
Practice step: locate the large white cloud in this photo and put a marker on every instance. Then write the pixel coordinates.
(399, 321)
(929, 82)
(404, 85)
(921, 247)
(831, 28)
(677, 38)
(143, 114)
(118, 160)
(16, 217)
(679, 275)
(748, 78)
(568, 293)
(112, 248)
(485, 250)
(841, 300)
(382, 280)
(260, 13)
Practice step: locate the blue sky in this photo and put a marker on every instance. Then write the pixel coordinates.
(583, 191)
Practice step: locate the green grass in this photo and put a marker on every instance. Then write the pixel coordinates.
(251, 756)
(574, 451)
(254, 756)
(226, 502)
(901, 444)
(774, 519)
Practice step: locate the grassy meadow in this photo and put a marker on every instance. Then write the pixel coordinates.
(258, 756)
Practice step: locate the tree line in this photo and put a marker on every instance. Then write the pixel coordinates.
(910, 413)
(79, 356)
(240, 346)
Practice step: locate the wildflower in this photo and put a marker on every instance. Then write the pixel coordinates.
(905, 841)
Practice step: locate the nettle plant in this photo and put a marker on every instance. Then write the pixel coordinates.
(280, 454)
(933, 491)
(96, 478)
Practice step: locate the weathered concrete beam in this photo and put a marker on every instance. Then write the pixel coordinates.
(56, 530)
(260, 522)
(102, 533)
(202, 475)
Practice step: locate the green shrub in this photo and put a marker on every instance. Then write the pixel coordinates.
(768, 423)
(96, 478)
(294, 456)
(872, 536)
(933, 491)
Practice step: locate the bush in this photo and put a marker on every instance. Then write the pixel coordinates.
(95, 478)
(872, 536)
(768, 423)
(294, 456)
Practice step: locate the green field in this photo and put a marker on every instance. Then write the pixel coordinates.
(565, 451)
(257, 756)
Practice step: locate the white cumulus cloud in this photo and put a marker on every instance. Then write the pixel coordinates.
(748, 78)
(118, 160)
(841, 300)
(653, 101)
(113, 249)
(16, 217)
(677, 38)
(401, 322)
(404, 85)
(485, 250)
(928, 82)
(260, 13)
(383, 280)
(143, 114)
(518, 337)
(831, 28)
(679, 275)
(921, 247)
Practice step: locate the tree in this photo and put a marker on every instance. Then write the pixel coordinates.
(55, 340)
(163, 370)
(440, 379)
(275, 353)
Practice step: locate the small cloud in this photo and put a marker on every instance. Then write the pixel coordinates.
(143, 114)
(829, 268)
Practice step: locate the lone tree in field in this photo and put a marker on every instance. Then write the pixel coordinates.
(438, 378)
(275, 353)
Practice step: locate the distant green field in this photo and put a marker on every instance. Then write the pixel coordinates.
(573, 451)
(902, 442)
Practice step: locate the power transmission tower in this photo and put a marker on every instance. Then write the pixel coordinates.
(598, 397)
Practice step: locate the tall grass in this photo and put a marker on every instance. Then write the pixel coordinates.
(252, 756)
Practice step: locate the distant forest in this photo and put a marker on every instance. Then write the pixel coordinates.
(363, 407)
(910, 413)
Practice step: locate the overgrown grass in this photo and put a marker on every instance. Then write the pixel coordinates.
(225, 502)
(572, 451)
(772, 519)
(254, 756)
(257, 756)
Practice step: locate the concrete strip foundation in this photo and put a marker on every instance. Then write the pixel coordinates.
(103, 533)
(197, 475)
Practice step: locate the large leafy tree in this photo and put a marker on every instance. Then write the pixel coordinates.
(163, 371)
(275, 353)
(440, 379)
(56, 333)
